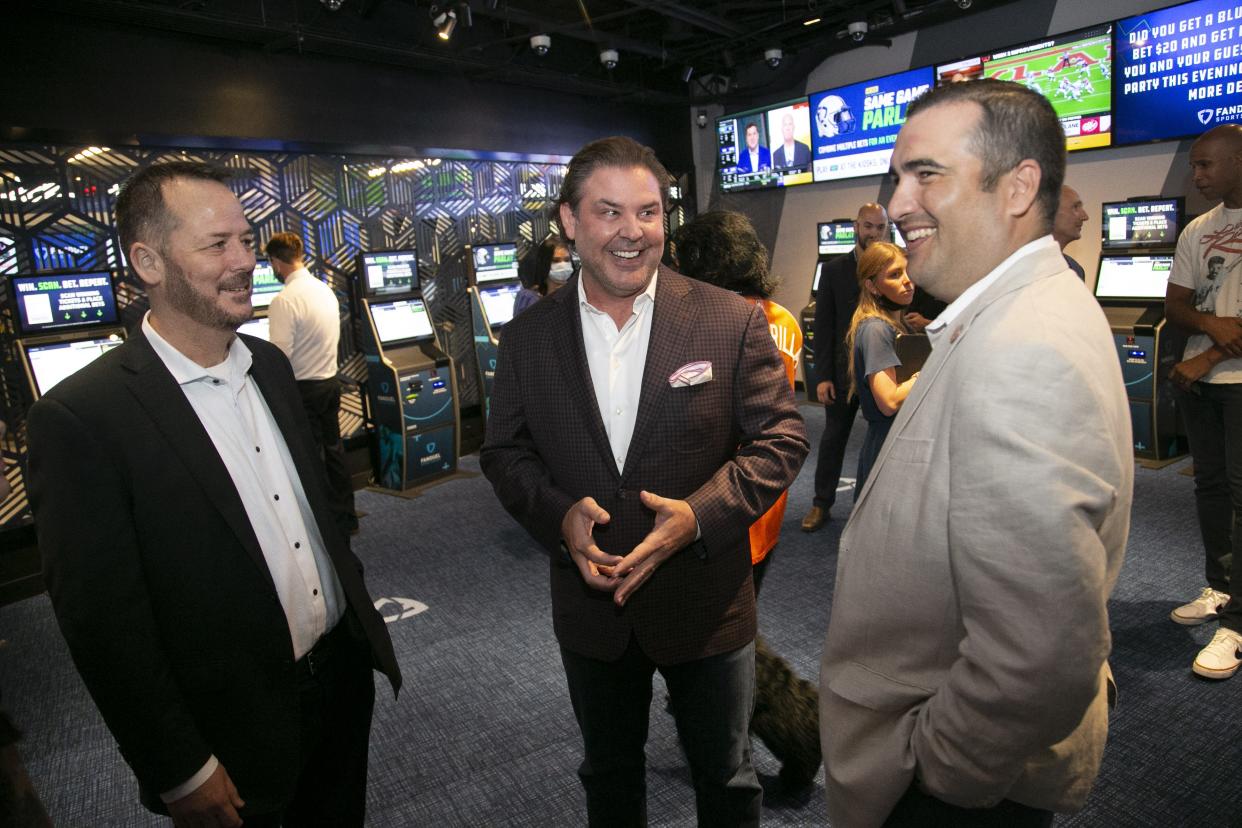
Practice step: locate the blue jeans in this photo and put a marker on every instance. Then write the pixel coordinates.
(1213, 416)
(712, 700)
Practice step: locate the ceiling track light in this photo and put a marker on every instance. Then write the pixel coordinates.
(445, 21)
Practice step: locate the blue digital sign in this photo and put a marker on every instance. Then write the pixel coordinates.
(853, 128)
(1179, 71)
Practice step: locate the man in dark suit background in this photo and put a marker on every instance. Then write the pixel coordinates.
(754, 157)
(640, 422)
(835, 302)
(791, 153)
(206, 591)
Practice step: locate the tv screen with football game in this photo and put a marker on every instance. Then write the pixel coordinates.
(1179, 71)
(768, 147)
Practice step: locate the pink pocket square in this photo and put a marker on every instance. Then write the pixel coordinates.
(692, 373)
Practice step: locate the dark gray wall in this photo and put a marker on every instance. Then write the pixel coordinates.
(86, 79)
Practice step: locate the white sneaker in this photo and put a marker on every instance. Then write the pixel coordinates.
(1220, 659)
(1204, 608)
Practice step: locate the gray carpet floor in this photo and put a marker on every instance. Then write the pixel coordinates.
(483, 734)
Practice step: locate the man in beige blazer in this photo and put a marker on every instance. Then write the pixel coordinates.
(964, 679)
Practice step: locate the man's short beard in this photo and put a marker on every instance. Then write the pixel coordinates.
(182, 296)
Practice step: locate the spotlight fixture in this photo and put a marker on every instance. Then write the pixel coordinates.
(687, 74)
(332, 5)
(540, 44)
(964, 4)
(445, 21)
(858, 30)
(773, 56)
(609, 58)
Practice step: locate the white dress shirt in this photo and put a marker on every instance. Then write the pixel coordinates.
(244, 433)
(305, 323)
(616, 359)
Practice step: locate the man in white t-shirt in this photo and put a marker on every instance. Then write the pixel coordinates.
(1205, 297)
(306, 324)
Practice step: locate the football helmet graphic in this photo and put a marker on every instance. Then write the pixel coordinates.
(834, 117)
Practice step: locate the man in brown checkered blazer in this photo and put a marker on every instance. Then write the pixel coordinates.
(640, 422)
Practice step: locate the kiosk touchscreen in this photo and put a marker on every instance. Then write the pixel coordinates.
(65, 321)
(411, 386)
(1138, 238)
(259, 327)
(264, 285)
(493, 288)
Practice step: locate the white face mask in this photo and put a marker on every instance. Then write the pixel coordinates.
(561, 271)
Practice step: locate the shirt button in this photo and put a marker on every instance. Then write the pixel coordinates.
(276, 497)
(215, 382)
(618, 412)
(314, 592)
(297, 545)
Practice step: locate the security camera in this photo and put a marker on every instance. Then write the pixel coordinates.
(858, 30)
(964, 4)
(609, 58)
(773, 57)
(701, 119)
(540, 43)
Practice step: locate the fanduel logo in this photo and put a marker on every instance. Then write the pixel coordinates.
(405, 608)
(1205, 116)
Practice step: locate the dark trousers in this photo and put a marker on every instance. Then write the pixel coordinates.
(712, 699)
(873, 441)
(917, 809)
(1213, 416)
(838, 420)
(322, 401)
(336, 702)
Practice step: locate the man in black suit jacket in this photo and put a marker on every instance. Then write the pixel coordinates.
(640, 422)
(835, 302)
(207, 593)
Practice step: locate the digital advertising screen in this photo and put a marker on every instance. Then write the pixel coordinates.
(854, 127)
(495, 262)
(1073, 71)
(498, 303)
(49, 364)
(263, 284)
(1179, 71)
(1133, 277)
(405, 320)
(835, 237)
(62, 301)
(261, 328)
(391, 271)
(1128, 224)
(769, 147)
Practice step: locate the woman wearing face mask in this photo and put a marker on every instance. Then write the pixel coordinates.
(884, 293)
(543, 272)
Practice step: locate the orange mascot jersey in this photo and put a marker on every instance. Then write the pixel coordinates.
(787, 333)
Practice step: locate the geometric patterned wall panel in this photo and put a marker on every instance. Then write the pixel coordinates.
(56, 213)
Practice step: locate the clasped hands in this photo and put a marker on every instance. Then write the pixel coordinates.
(675, 527)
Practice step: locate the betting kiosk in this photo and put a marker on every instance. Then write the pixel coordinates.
(264, 285)
(1136, 257)
(494, 286)
(411, 385)
(65, 321)
(835, 238)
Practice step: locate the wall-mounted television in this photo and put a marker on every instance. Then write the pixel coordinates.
(386, 272)
(52, 302)
(1140, 223)
(1072, 70)
(1178, 71)
(835, 237)
(263, 284)
(402, 321)
(768, 147)
(854, 127)
(1133, 277)
(494, 262)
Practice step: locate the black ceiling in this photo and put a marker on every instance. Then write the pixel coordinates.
(657, 43)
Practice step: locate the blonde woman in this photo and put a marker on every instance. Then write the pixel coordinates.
(884, 293)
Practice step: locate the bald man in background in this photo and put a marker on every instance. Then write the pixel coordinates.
(1067, 225)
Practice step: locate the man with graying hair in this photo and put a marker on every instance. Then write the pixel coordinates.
(964, 679)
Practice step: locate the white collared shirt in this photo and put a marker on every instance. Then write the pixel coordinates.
(935, 331)
(305, 323)
(616, 359)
